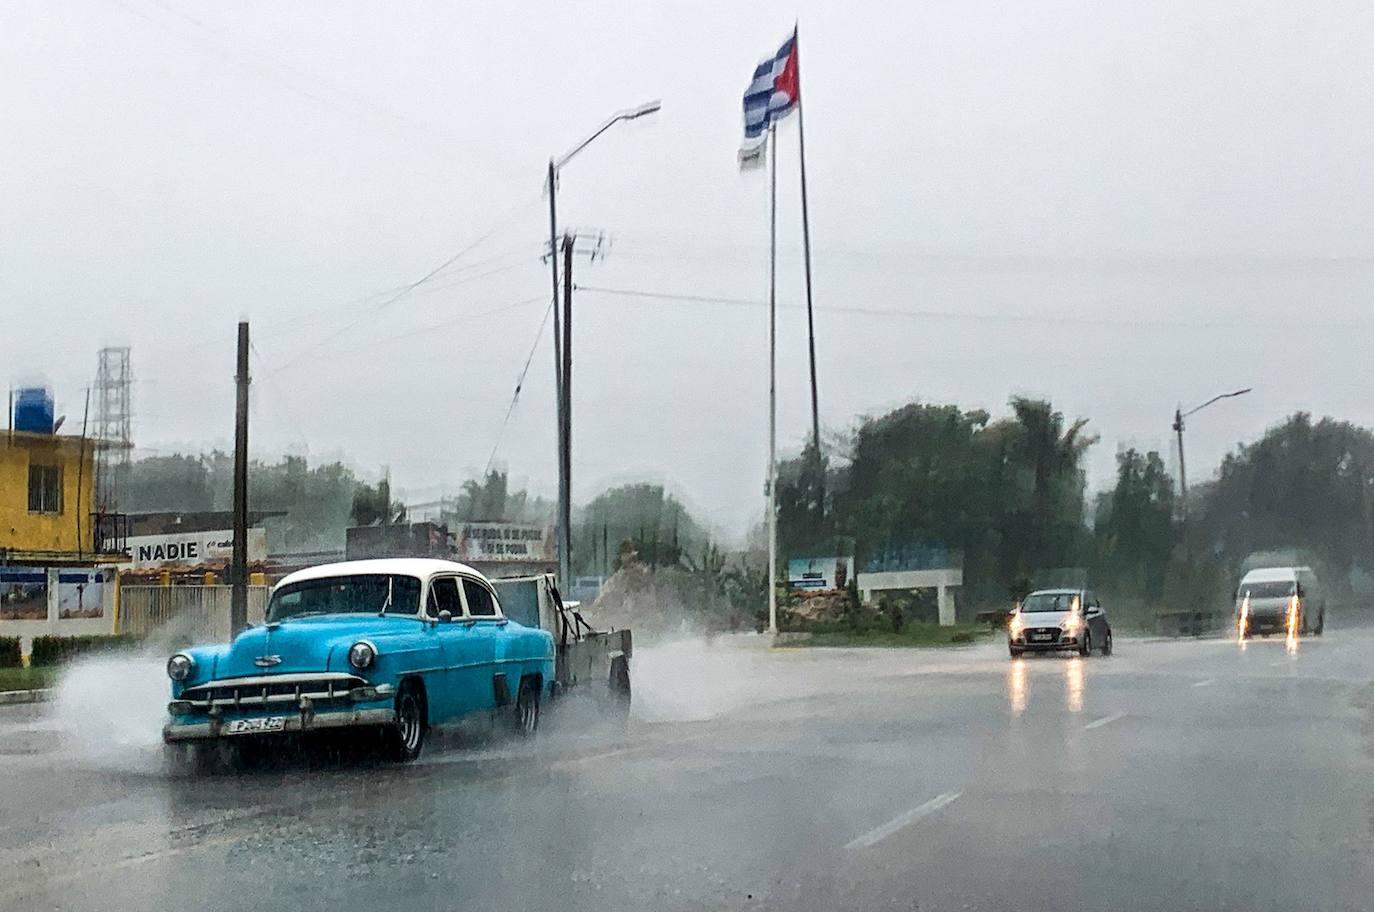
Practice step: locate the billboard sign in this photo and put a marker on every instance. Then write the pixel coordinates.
(81, 593)
(480, 542)
(820, 572)
(189, 548)
(24, 594)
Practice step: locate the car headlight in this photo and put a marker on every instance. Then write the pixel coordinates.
(179, 666)
(360, 655)
(1016, 625)
(1072, 622)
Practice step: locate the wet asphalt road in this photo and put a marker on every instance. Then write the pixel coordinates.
(1173, 775)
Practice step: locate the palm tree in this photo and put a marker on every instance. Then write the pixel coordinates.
(1053, 453)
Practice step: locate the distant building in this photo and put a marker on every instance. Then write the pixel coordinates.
(56, 550)
(47, 501)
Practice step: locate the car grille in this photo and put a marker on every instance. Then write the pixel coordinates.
(273, 691)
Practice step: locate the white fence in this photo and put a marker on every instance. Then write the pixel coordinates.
(193, 613)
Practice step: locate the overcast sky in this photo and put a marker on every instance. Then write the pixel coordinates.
(1119, 206)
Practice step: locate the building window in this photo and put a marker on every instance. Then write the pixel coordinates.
(45, 489)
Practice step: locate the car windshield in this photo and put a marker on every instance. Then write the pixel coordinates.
(1271, 589)
(1049, 601)
(360, 594)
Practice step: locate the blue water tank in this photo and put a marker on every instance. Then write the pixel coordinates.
(33, 410)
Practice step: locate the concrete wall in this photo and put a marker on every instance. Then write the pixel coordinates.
(941, 580)
(56, 625)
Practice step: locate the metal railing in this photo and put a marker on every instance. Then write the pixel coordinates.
(192, 613)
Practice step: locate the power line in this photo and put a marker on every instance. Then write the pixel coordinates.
(937, 314)
(278, 71)
(404, 290)
(519, 385)
(421, 330)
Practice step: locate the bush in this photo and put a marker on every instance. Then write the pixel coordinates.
(54, 650)
(10, 656)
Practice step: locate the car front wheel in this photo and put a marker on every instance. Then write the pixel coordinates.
(1085, 648)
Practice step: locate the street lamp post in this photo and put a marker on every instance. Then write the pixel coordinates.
(1179, 415)
(562, 346)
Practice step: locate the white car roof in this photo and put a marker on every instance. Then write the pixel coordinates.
(420, 567)
(1272, 575)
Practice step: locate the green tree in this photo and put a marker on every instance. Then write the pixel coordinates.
(167, 483)
(659, 526)
(1135, 525)
(372, 505)
(1303, 485)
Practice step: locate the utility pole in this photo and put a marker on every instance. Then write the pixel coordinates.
(565, 409)
(1182, 470)
(238, 605)
(1179, 415)
(562, 534)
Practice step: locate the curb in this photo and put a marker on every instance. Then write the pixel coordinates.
(13, 697)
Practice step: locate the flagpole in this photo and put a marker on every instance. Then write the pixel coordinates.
(806, 256)
(773, 384)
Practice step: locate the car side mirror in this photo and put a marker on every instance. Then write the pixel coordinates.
(445, 616)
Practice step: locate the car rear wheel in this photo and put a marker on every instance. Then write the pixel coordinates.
(406, 737)
(1085, 647)
(1321, 623)
(1107, 643)
(527, 707)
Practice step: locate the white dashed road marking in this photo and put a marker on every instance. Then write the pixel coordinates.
(875, 836)
(1204, 683)
(1105, 720)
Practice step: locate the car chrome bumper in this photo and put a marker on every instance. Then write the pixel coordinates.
(294, 723)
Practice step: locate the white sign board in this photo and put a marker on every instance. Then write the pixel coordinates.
(505, 542)
(820, 572)
(189, 548)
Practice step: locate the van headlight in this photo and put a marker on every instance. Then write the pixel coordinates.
(361, 655)
(179, 666)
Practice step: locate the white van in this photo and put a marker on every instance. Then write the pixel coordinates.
(1272, 592)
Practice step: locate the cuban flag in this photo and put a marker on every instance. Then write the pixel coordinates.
(772, 95)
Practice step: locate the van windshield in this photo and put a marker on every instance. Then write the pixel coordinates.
(1267, 590)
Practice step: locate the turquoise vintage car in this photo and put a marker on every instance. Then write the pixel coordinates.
(390, 646)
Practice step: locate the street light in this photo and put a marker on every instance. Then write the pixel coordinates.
(1179, 415)
(562, 349)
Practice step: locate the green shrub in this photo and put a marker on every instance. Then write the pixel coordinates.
(10, 656)
(54, 650)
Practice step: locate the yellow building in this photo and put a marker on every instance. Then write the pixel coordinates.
(47, 501)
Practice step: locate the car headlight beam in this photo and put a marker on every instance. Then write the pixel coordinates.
(180, 666)
(361, 655)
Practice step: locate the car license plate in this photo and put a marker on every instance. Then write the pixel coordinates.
(1041, 638)
(255, 726)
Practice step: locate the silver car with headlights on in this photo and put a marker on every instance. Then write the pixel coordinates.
(1054, 620)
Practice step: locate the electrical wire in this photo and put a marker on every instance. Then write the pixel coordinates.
(922, 314)
(405, 290)
(519, 385)
(420, 330)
